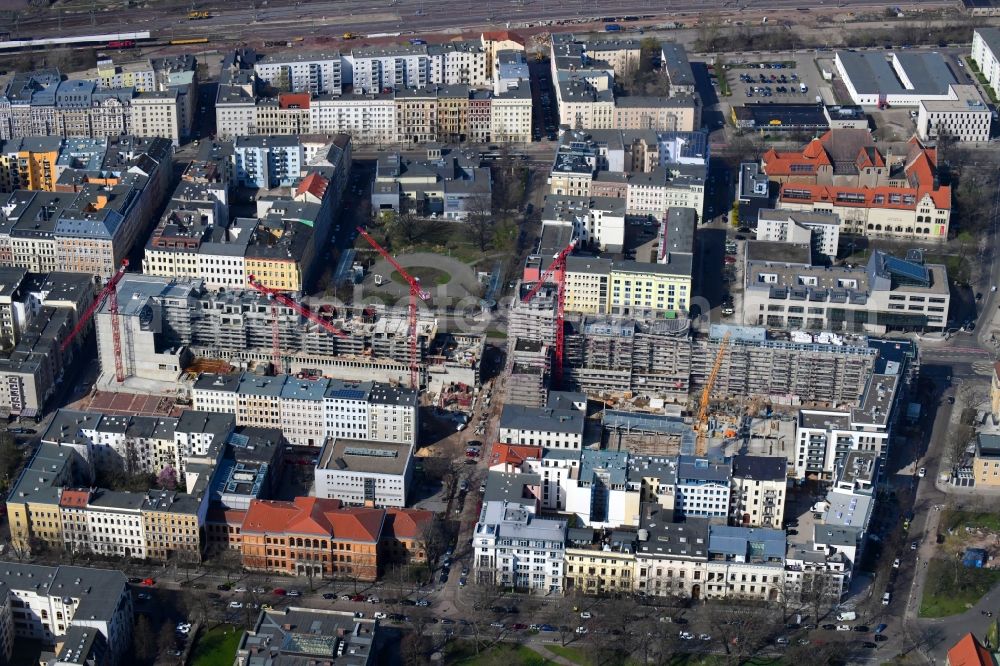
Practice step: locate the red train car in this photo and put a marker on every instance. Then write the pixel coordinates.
(121, 44)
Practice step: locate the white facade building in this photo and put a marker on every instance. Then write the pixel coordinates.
(986, 54)
(966, 118)
(515, 548)
(818, 229)
(316, 73)
(548, 428)
(364, 473)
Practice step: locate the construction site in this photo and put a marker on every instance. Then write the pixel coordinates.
(171, 327)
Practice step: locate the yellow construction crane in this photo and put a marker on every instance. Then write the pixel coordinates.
(706, 397)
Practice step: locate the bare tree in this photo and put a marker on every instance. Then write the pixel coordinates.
(480, 221)
(433, 540)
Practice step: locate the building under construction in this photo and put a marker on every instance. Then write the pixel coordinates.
(165, 324)
(609, 357)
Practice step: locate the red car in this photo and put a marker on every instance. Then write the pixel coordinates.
(148, 582)
(519, 627)
(730, 259)
(280, 591)
(358, 597)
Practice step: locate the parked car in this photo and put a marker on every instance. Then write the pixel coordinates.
(280, 591)
(235, 604)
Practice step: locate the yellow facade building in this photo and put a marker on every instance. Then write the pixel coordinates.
(644, 289)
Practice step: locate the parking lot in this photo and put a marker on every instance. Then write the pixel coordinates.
(777, 79)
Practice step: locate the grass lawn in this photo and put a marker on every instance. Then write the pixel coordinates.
(957, 520)
(427, 275)
(576, 655)
(952, 588)
(462, 654)
(217, 647)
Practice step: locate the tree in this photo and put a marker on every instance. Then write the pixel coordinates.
(414, 648)
(10, 459)
(480, 221)
(166, 642)
(404, 227)
(167, 478)
(143, 640)
(433, 540)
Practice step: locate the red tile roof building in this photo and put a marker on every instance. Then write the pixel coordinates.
(404, 538)
(510, 457)
(312, 536)
(895, 196)
(969, 652)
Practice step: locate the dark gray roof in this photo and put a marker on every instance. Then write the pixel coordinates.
(675, 61)
(872, 73)
(991, 36)
(779, 252)
(660, 536)
(760, 468)
(520, 417)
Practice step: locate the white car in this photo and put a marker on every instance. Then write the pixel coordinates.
(843, 627)
(922, 472)
(586, 615)
(704, 637)
(581, 630)
(686, 636)
(895, 563)
(240, 590)
(184, 628)
(235, 604)
(380, 615)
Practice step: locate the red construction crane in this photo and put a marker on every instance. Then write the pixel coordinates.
(110, 291)
(558, 264)
(277, 297)
(415, 293)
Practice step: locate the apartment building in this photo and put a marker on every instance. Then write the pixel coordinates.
(894, 196)
(513, 547)
(449, 185)
(652, 171)
(745, 563)
(42, 103)
(464, 62)
(545, 427)
(265, 162)
(171, 526)
(785, 289)
(641, 289)
(824, 438)
(364, 473)
(597, 222)
(105, 522)
(986, 460)
(583, 75)
(702, 487)
(89, 222)
(318, 73)
(369, 118)
(600, 561)
(677, 68)
(671, 558)
(819, 230)
(310, 410)
(312, 537)
(598, 494)
(966, 118)
(585, 284)
(510, 115)
(986, 54)
(84, 614)
(759, 485)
